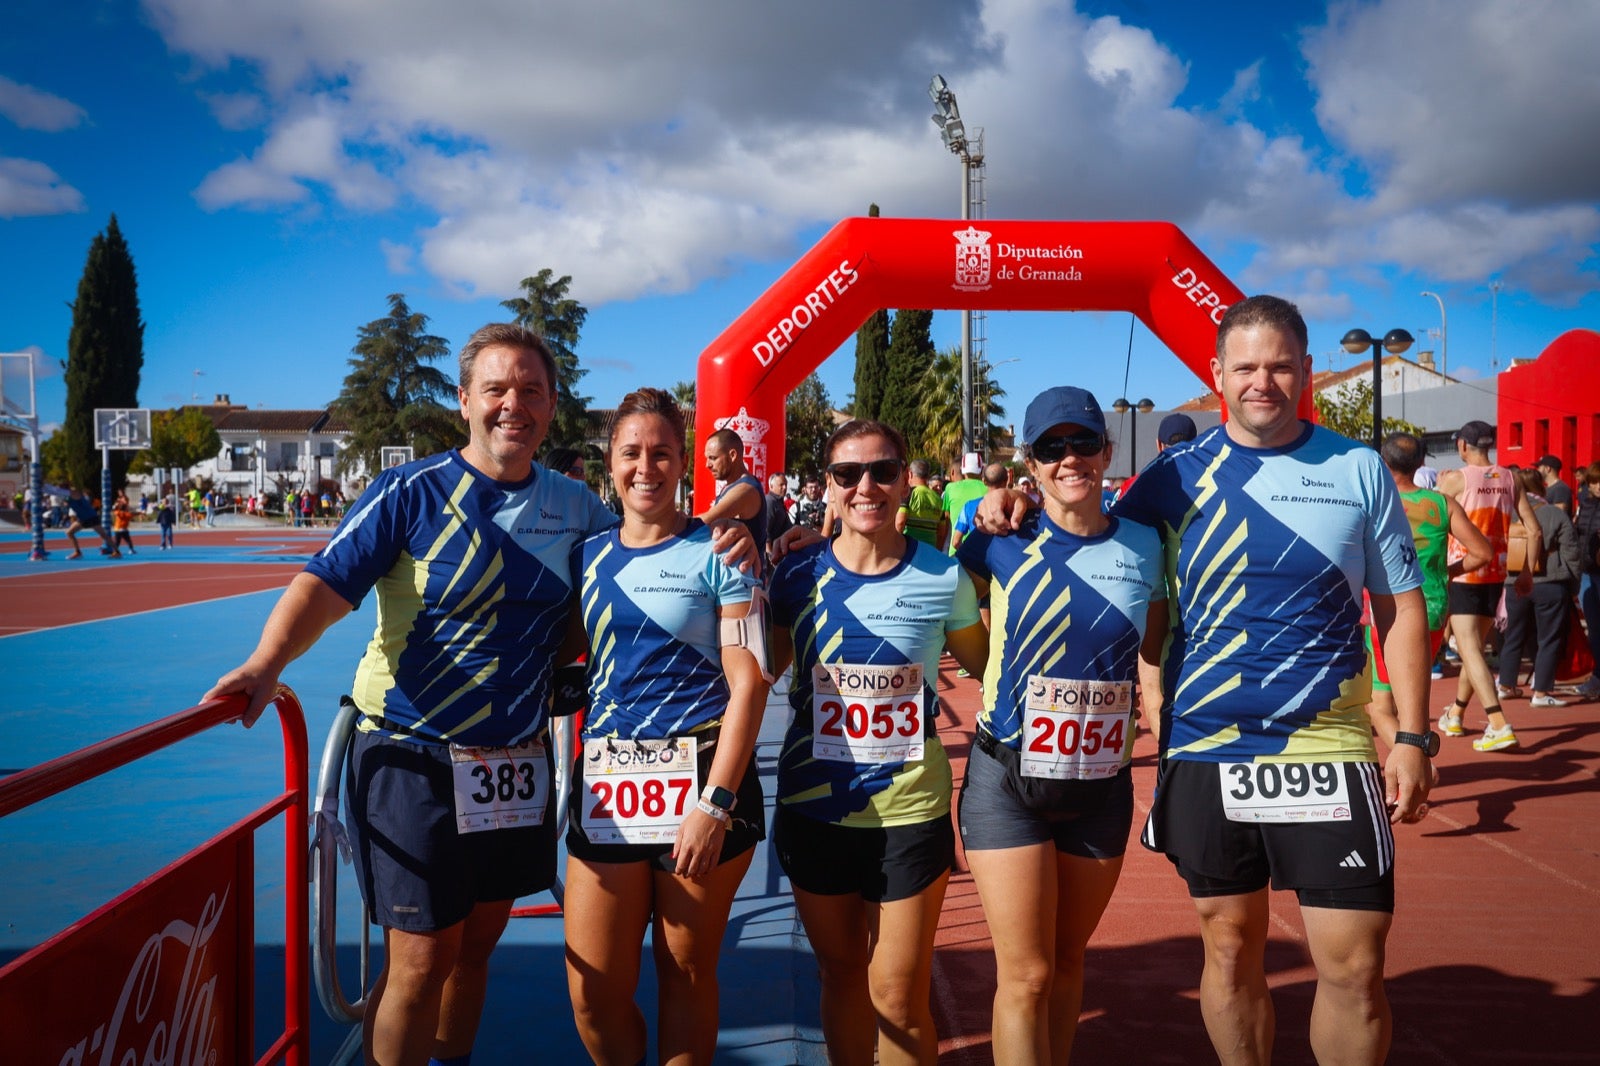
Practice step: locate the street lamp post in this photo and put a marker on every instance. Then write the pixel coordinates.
(970, 151)
(1356, 342)
(1444, 338)
(1133, 411)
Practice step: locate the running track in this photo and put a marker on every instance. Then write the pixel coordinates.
(1494, 957)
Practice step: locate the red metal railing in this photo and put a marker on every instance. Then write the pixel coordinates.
(63, 1001)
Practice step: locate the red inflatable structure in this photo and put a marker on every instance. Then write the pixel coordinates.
(863, 264)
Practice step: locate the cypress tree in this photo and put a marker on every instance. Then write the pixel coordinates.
(872, 359)
(911, 356)
(105, 354)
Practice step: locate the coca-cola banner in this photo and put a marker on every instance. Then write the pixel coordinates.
(152, 977)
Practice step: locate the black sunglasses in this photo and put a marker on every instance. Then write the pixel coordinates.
(883, 471)
(1052, 449)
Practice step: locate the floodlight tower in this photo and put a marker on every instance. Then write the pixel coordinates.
(970, 151)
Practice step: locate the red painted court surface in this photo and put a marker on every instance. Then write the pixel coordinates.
(1495, 952)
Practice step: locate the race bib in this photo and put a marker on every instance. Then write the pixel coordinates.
(1075, 730)
(499, 788)
(1284, 792)
(867, 714)
(637, 791)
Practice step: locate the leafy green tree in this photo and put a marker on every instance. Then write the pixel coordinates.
(181, 438)
(872, 359)
(808, 422)
(1350, 412)
(53, 458)
(105, 353)
(546, 309)
(911, 357)
(392, 397)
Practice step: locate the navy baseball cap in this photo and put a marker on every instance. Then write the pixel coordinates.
(1175, 429)
(1476, 434)
(1064, 403)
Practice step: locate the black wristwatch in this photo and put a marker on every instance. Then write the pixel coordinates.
(1428, 742)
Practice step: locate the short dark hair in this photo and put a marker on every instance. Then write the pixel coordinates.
(728, 440)
(506, 335)
(1263, 310)
(1402, 453)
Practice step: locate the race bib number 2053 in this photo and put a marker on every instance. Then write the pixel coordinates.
(867, 713)
(500, 788)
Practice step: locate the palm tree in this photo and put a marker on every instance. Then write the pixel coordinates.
(941, 409)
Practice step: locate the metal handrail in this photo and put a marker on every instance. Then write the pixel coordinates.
(27, 787)
(328, 844)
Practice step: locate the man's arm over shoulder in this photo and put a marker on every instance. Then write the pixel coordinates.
(742, 500)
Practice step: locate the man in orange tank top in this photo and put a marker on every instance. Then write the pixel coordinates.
(1491, 497)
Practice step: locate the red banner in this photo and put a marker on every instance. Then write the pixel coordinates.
(151, 977)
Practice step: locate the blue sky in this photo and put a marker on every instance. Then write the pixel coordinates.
(279, 166)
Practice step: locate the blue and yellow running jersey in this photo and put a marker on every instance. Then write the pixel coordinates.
(1061, 606)
(655, 660)
(474, 595)
(1267, 553)
(887, 626)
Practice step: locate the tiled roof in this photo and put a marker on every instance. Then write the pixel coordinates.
(247, 421)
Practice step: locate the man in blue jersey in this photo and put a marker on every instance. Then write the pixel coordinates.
(1272, 529)
(449, 772)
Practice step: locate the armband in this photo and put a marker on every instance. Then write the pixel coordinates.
(750, 633)
(716, 813)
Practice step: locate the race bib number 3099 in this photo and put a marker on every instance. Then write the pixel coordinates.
(499, 788)
(1285, 792)
(867, 714)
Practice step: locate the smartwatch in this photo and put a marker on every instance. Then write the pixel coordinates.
(1428, 742)
(724, 800)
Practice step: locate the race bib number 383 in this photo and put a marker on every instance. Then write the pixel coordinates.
(500, 788)
(1075, 730)
(867, 714)
(1285, 792)
(637, 791)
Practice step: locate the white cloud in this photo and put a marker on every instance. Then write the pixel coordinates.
(29, 188)
(399, 258)
(34, 109)
(645, 148)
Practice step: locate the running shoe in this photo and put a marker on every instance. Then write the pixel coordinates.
(1590, 689)
(1546, 701)
(1450, 725)
(1496, 739)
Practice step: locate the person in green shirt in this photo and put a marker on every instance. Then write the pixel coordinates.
(922, 516)
(968, 487)
(1435, 518)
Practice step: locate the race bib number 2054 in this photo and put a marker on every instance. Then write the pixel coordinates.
(1075, 730)
(499, 788)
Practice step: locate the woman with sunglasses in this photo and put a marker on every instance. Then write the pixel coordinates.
(863, 817)
(1077, 615)
(666, 806)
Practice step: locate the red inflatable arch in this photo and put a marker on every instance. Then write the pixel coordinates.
(863, 264)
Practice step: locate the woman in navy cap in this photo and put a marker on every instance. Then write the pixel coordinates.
(1077, 616)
